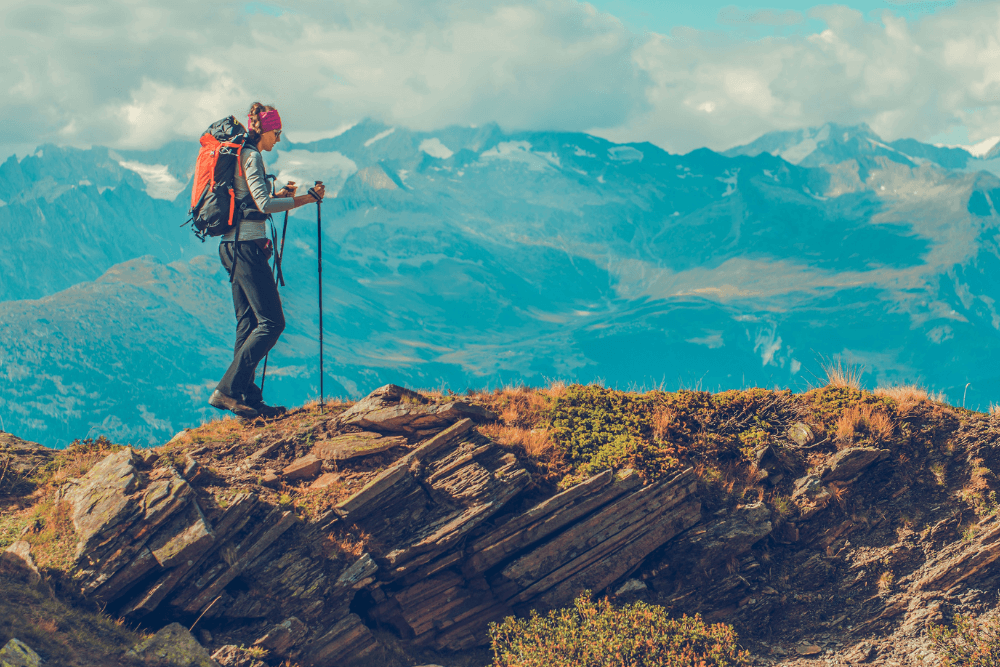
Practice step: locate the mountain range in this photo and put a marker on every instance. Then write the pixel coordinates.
(472, 257)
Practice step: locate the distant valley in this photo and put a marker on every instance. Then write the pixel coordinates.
(474, 257)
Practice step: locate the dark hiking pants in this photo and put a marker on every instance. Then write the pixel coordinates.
(259, 320)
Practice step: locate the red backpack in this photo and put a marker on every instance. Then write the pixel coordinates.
(212, 201)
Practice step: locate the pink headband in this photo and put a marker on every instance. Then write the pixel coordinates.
(269, 120)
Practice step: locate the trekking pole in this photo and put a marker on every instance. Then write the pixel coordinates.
(276, 271)
(319, 273)
(279, 279)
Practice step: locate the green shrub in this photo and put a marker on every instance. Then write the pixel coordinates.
(598, 428)
(972, 642)
(598, 634)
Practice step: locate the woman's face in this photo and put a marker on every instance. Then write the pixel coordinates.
(269, 139)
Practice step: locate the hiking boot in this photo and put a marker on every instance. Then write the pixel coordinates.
(268, 411)
(253, 395)
(223, 402)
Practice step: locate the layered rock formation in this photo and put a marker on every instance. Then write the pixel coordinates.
(445, 553)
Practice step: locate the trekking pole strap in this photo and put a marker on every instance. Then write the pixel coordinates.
(236, 254)
(281, 252)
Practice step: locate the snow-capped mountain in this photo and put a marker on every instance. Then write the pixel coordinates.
(470, 257)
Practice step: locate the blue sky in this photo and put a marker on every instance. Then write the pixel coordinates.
(138, 73)
(662, 17)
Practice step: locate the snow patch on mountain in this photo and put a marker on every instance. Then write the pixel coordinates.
(304, 167)
(730, 180)
(625, 154)
(160, 183)
(980, 150)
(518, 151)
(380, 135)
(712, 340)
(795, 154)
(435, 148)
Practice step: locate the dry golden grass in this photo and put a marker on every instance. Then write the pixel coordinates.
(520, 406)
(555, 389)
(535, 442)
(663, 417)
(994, 409)
(839, 375)
(837, 492)
(855, 422)
(346, 544)
(905, 396)
(886, 581)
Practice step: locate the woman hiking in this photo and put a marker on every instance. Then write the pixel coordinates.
(259, 318)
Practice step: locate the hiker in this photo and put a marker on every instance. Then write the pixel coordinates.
(259, 318)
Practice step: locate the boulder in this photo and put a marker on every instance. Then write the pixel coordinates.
(16, 562)
(173, 646)
(356, 445)
(810, 495)
(847, 463)
(16, 653)
(800, 434)
(631, 587)
(397, 410)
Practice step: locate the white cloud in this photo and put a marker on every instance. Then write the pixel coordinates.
(905, 79)
(133, 73)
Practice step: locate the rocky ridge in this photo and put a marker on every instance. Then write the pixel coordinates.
(447, 530)
(150, 545)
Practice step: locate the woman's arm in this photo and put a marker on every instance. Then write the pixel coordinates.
(253, 168)
(291, 187)
(302, 200)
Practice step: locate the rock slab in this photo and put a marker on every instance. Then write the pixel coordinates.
(356, 445)
(849, 462)
(16, 653)
(393, 409)
(304, 467)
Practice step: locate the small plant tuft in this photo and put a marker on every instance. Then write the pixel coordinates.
(839, 375)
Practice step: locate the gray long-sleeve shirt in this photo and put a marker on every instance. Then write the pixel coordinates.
(255, 183)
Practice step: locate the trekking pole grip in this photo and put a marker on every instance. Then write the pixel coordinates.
(312, 192)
